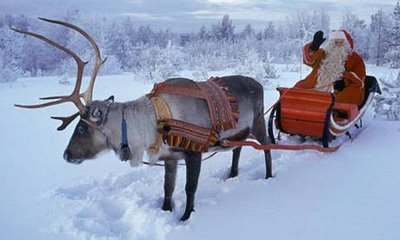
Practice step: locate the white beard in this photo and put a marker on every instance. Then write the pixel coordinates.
(332, 66)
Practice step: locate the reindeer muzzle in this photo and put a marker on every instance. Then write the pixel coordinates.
(69, 158)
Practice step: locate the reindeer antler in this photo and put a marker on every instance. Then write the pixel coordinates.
(88, 93)
(75, 95)
(65, 120)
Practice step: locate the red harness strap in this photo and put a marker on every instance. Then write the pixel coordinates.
(220, 107)
(228, 143)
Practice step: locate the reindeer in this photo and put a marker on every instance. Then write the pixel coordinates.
(129, 128)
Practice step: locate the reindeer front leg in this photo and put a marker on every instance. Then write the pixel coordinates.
(170, 167)
(193, 166)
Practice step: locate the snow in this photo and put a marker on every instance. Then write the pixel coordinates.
(350, 194)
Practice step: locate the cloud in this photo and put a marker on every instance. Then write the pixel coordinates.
(192, 13)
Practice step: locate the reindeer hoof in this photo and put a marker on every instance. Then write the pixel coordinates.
(167, 206)
(269, 176)
(186, 215)
(233, 174)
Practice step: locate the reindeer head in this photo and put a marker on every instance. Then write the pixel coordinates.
(88, 138)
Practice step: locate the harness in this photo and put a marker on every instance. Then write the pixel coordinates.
(222, 106)
(162, 112)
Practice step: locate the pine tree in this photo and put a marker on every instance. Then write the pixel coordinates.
(393, 54)
(358, 30)
(203, 34)
(379, 37)
(9, 48)
(123, 42)
(248, 32)
(269, 32)
(389, 103)
(224, 30)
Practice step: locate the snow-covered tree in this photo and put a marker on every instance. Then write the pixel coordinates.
(297, 30)
(393, 54)
(20, 22)
(302, 26)
(269, 32)
(142, 49)
(251, 64)
(37, 57)
(158, 63)
(224, 30)
(248, 32)
(55, 60)
(120, 42)
(359, 31)
(388, 105)
(379, 37)
(203, 34)
(9, 60)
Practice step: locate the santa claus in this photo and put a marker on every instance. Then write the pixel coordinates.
(336, 67)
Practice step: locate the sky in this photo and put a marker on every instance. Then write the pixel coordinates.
(192, 14)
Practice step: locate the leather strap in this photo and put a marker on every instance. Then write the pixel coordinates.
(162, 112)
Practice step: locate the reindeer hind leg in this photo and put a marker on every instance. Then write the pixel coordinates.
(260, 133)
(235, 162)
(193, 165)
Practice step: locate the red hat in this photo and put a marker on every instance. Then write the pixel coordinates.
(342, 34)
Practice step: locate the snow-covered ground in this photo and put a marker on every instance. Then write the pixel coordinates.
(350, 194)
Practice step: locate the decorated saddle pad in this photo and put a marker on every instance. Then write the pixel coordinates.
(223, 109)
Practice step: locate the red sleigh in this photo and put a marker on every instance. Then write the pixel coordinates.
(316, 114)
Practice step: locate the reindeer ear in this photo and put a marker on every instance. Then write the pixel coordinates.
(96, 115)
(110, 100)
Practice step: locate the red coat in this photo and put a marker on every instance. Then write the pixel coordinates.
(353, 76)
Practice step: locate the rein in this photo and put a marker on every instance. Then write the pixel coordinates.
(181, 164)
(273, 105)
(258, 146)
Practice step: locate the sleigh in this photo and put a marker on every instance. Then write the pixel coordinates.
(316, 114)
